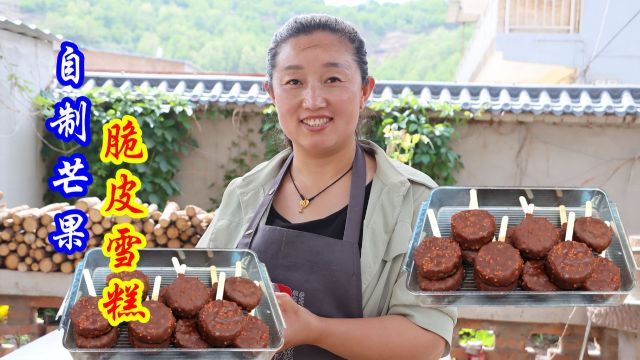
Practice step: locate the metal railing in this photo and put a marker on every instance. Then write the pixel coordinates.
(560, 16)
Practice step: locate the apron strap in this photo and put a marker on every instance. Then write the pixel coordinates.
(356, 198)
(247, 236)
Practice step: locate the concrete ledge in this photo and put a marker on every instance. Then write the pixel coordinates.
(526, 315)
(33, 283)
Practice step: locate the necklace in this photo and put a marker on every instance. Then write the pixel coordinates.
(304, 202)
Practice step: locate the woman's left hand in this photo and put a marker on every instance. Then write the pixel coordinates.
(301, 323)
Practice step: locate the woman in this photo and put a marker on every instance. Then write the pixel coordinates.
(331, 217)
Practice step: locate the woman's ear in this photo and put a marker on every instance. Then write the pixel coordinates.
(367, 90)
(266, 85)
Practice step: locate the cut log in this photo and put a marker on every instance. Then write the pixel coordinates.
(12, 246)
(35, 266)
(48, 248)
(87, 203)
(190, 231)
(148, 226)
(94, 213)
(23, 266)
(22, 250)
(51, 227)
(183, 223)
(169, 209)
(40, 243)
(46, 265)
(11, 261)
(6, 234)
(48, 217)
(174, 215)
(158, 230)
(53, 207)
(188, 246)
(30, 223)
(4, 249)
(174, 243)
(162, 240)
(19, 237)
(18, 217)
(28, 260)
(58, 258)
(107, 223)
(137, 225)
(67, 267)
(7, 222)
(184, 236)
(124, 219)
(156, 215)
(42, 232)
(38, 254)
(29, 238)
(193, 210)
(172, 232)
(97, 229)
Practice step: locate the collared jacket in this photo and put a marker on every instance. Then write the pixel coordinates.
(396, 195)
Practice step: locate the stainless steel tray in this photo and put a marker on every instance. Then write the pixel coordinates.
(446, 201)
(155, 262)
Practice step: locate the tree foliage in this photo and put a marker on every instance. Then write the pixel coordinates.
(233, 36)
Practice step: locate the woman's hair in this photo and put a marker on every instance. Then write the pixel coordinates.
(310, 23)
(307, 24)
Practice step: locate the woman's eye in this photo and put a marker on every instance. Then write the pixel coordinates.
(333, 79)
(292, 82)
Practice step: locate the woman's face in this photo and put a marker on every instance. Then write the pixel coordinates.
(318, 92)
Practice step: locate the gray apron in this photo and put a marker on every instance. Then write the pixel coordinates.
(323, 273)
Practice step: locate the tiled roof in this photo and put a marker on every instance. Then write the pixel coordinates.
(536, 99)
(19, 27)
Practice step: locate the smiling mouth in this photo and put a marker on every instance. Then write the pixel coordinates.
(317, 122)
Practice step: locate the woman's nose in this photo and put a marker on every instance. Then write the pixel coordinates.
(313, 98)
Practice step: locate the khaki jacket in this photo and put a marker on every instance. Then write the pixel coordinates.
(396, 195)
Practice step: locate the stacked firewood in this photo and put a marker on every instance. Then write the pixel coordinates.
(24, 231)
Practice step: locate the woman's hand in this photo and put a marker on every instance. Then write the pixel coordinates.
(301, 323)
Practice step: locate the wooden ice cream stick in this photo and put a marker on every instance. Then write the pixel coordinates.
(238, 269)
(588, 209)
(563, 214)
(503, 228)
(214, 274)
(183, 268)
(604, 253)
(523, 204)
(608, 223)
(87, 279)
(531, 207)
(434, 223)
(529, 193)
(253, 312)
(221, 281)
(473, 199)
(559, 193)
(176, 265)
(156, 288)
(572, 219)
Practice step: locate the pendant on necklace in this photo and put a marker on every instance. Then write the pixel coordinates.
(303, 204)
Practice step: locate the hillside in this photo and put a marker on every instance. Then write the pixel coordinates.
(409, 41)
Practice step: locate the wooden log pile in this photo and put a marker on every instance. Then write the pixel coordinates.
(24, 244)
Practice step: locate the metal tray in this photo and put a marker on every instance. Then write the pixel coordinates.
(155, 262)
(446, 201)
